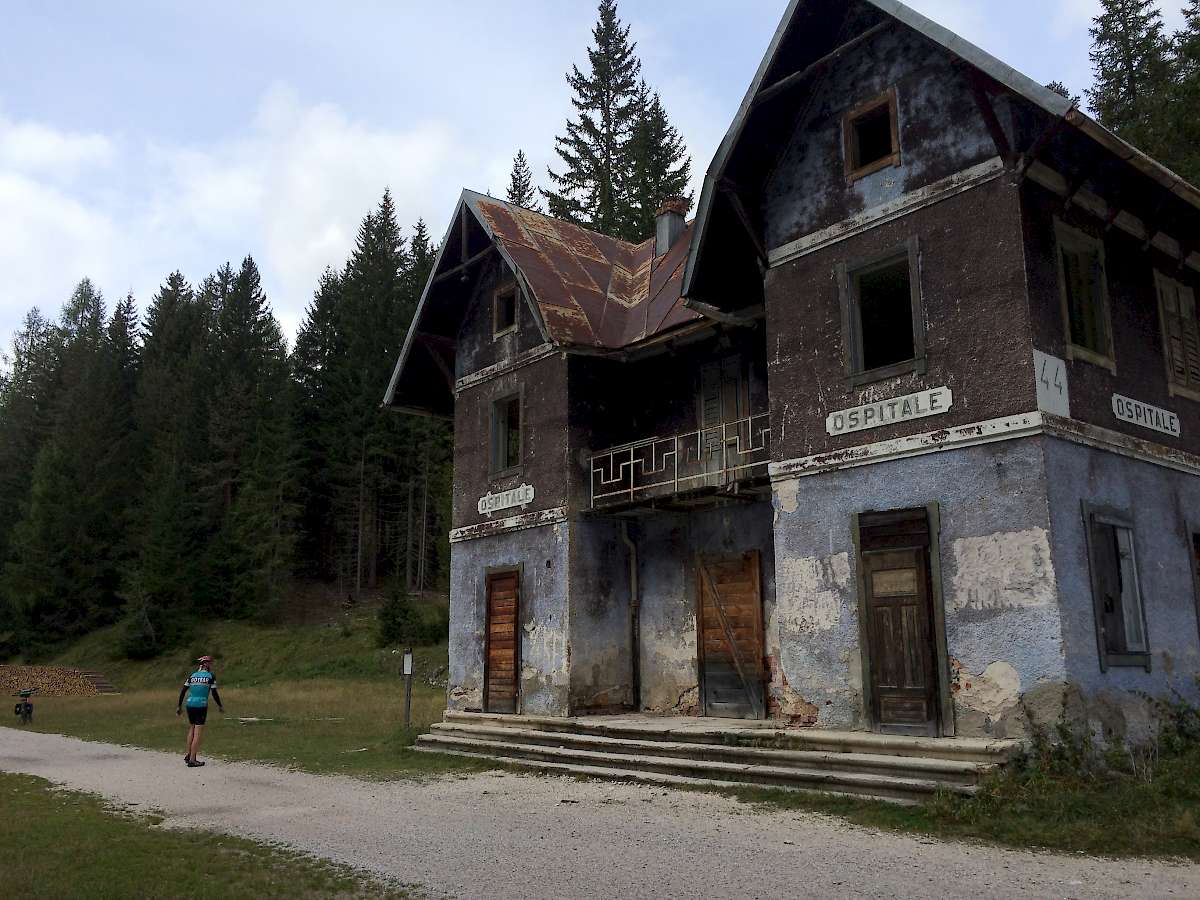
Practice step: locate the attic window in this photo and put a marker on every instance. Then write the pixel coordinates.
(872, 136)
(504, 311)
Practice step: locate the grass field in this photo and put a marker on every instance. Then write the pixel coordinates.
(64, 844)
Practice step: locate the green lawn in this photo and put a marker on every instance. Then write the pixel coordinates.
(63, 844)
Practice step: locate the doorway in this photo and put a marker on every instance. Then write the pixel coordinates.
(501, 651)
(900, 628)
(730, 645)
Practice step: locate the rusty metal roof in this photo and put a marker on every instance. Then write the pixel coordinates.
(592, 290)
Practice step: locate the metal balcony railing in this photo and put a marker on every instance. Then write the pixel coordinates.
(714, 457)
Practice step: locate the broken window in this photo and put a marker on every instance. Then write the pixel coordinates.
(1116, 591)
(1084, 296)
(882, 314)
(871, 136)
(506, 434)
(504, 311)
(1181, 336)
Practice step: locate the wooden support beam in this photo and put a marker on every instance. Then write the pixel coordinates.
(729, 189)
(789, 82)
(983, 100)
(1031, 155)
(461, 268)
(1073, 188)
(433, 352)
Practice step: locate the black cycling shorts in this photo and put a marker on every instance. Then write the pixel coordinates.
(197, 715)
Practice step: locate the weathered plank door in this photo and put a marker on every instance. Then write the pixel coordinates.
(722, 401)
(731, 637)
(899, 621)
(500, 675)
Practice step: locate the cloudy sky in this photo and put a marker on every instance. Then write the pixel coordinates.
(138, 137)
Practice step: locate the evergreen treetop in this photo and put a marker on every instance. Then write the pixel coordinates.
(521, 191)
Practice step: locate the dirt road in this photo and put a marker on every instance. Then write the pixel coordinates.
(501, 836)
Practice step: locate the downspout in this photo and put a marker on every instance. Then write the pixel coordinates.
(635, 612)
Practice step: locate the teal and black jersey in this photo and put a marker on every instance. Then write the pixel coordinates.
(198, 685)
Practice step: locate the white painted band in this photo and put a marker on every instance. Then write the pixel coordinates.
(530, 356)
(522, 522)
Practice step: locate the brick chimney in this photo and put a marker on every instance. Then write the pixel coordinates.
(670, 223)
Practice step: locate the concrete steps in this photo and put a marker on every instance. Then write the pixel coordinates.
(102, 684)
(697, 751)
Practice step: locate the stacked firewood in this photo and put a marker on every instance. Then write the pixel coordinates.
(47, 681)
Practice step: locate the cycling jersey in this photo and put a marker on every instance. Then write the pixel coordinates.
(198, 685)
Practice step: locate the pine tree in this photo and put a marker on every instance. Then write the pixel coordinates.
(423, 254)
(520, 184)
(1063, 91)
(660, 166)
(1132, 74)
(595, 150)
(1186, 95)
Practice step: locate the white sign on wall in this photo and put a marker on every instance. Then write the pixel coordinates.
(1139, 413)
(1053, 395)
(933, 402)
(519, 496)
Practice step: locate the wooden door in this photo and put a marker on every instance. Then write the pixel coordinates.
(730, 628)
(901, 641)
(722, 401)
(500, 676)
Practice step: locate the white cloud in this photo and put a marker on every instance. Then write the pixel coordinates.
(32, 147)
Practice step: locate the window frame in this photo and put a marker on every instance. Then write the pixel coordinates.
(1071, 238)
(495, 470)
(852, 337)
(1190, 389)
(850, 135)
(1115, 518)
(506, 290)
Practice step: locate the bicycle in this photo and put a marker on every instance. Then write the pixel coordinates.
(24, 708)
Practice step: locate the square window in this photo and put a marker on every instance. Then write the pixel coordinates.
(1116, 590)
(1084, 296)
(506, 434)
(882, 316)
(504, 311)
(1181, 334)
(871, 136)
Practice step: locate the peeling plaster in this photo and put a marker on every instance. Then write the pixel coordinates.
(809, 592)
(1002, 571)
(787, 493)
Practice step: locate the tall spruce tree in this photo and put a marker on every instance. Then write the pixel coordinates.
(594, 152)
(521, 191)
(1185, 105)
(659, 166)
(1130, 60)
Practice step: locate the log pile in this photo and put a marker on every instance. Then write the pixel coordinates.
(51, 681)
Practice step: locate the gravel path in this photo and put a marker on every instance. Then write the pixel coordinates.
(503, 835)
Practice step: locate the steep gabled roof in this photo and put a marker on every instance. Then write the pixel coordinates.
(588, 290)
(1044, 98)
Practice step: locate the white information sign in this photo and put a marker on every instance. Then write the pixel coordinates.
(1139, 413)
(933, 402)
(519, 496)
(1053, 396)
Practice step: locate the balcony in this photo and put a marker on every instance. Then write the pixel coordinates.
(684, 468)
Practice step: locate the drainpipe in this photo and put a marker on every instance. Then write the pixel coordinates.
(635, 611)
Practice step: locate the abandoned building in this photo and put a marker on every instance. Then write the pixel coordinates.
(900, 435)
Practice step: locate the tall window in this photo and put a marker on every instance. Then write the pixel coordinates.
(504, 311)
(506, 434)
(1181, 336)
(1084, 296)
(881, 304)
(872, 136)
(1116, 591)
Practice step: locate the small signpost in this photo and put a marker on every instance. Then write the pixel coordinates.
(406, 670)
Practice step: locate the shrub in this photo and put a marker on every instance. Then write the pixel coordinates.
(402, 622)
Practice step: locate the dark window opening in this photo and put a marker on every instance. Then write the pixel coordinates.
(885, 314)
(1116, 592)
(1085, 305)
(505, 312)
(506, 434)
(872, 137)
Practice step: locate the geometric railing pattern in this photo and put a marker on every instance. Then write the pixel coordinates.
(661, 466)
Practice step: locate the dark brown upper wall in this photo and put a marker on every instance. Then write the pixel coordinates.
(940, 128)
(1137, 330)
(977, 331)
(542, 387)
(477, 347)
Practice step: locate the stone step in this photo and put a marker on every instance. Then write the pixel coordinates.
(842, 782)
(950, 771)
(763, 735)
(100, 683)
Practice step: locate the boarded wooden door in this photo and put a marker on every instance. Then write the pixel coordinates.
(731, 637)
(503, 602)
(722, 401)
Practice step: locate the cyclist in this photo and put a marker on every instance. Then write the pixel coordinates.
(196, 689)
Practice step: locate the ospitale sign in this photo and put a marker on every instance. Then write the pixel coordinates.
(933, 402)
(519, 496)
(1139, 413)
